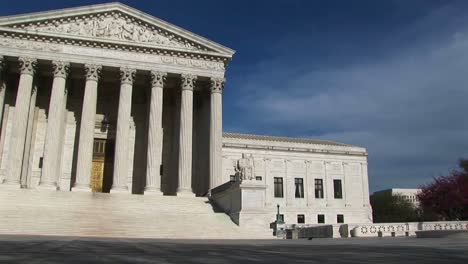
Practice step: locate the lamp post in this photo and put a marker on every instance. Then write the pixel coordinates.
(278, 216)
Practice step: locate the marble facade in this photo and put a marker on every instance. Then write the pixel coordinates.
(153, 93)
(109, 72)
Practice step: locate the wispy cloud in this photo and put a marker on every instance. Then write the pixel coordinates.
(407, 106)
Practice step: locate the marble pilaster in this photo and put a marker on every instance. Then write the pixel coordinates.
(23, 97)
(185, 136)
(88, 119)
(119, 183)
(216, 132)
(50, 171)
(155, 134)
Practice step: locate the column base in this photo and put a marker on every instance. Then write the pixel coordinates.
(153, 191)
(10, 186)
(119, 190)
(81, 189)
(185, 193)
(47, 187)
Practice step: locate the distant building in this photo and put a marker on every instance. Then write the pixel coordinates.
(408, 194)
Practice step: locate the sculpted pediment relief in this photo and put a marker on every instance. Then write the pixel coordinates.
(116, 26)
(116, 22)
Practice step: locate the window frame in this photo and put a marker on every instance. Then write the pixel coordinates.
(278, 183)
(321, 217)
(301, 216)
(299, 187)
(337, 189)
(319, 193)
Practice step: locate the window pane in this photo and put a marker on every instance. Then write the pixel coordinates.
(301, 219)
(340, 218)
(278, 187)
(319, 188)
(321, 219)
(299, 191)
(337, 189)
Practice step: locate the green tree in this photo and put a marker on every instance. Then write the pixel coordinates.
(388, 208)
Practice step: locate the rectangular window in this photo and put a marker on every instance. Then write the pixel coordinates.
(340, 219)
(319, 188)
(321, 219)
(279, 187)
(299, 183)
(337, 188)
(301, 219)
(258, 178)
(232, 178)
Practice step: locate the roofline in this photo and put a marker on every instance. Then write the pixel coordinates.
(24, 17)
(289, 139)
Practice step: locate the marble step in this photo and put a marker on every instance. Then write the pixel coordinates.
(115, 215)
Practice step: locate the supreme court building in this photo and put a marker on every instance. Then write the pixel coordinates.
(107, 99)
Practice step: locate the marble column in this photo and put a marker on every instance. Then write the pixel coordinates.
(88, 119)
(2, 87)
(216, 132)
(18, 135)
(122, 140)
(185, 136)
(50, 171)
(155, 134)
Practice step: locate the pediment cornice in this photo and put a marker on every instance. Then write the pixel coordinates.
(114, 26)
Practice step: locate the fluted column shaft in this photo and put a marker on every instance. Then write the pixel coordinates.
(155, 134)
(185, 136)
(18, 135)
(88, 119)
(216, 132)
(50, 171)
(119, 183)
(2, 87)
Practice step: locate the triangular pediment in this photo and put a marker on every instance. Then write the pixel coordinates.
(113, 22)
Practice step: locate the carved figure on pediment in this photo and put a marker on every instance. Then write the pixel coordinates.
(245, 167)
(74, 28)
(89, 27)
(145, 35)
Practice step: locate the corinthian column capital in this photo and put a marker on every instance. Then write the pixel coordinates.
(27, 65)
(217, 84)
(93, 72)
(158, 78)
(188, 81)
(127, 75)
(61, 68)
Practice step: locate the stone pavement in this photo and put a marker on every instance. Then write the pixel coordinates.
(27, 249)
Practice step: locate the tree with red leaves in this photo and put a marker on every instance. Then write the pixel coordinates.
(447, 196)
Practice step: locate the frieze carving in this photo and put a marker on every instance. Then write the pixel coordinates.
(93, 72)
(27, 65)
(61, 68)
(90, 51)
(127, 75)
(114, 25)
(217, 84)
(188, 81)
(158, 78)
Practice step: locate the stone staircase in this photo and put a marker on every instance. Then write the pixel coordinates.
(32, 212)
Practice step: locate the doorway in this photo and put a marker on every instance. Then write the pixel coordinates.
(103, 165)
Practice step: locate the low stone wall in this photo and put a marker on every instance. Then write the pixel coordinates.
(403, 229)
(442, 233)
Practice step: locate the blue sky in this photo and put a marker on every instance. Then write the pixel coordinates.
(391, 76)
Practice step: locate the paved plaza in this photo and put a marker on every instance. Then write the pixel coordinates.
(25, 249)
